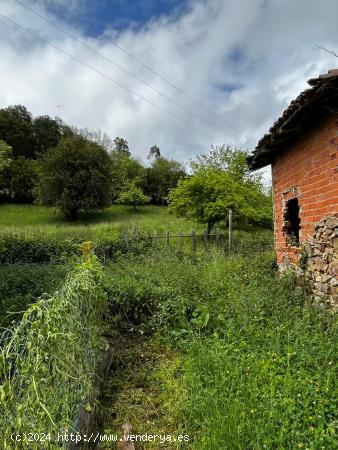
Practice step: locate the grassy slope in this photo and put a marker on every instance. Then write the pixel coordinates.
(28, 218)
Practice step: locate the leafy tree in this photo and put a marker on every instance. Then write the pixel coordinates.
(18, 181)
(226, 158)
(161, 176)
(65, 130)
(154, 152)
(16, 128)
(6, 153)
(30, 137)
(75, 176)
(132, 195)
(208, 195)
(125, 169)
(47, 133)
(121, 145)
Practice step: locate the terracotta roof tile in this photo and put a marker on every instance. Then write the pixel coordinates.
(309, 103)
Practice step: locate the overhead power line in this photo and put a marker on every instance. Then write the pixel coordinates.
(146, 66)
(96, 52)
(88, 66)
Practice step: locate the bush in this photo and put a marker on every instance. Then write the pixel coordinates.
(33, 248)
(22, 284)
(36, 249)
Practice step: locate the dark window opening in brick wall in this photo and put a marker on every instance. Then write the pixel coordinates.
(291, 224)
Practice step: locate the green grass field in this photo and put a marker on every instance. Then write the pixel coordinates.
(148, 216)
(42, 219)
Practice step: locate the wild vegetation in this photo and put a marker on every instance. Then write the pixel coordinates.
(249, 362)
(48, 362)
(21, 284)
(207, 341)
(217, 348)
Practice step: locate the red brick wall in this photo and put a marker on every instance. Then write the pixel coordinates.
(307, 170)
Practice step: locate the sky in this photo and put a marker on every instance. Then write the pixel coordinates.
(181, 74)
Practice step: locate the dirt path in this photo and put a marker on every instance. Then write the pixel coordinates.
(134, 396)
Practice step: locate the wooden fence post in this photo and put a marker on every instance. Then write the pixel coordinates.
(206, 243)
(218, 241)
(86, 249)
(193, 241)
(167, 237)
(180, 239)
(155, 237)
(230, 230)
(127, 241)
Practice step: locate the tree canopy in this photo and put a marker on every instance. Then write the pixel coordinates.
(228, 159)
(121, 145)
(16, 129)
(75, 176)
(132, 195)
(124, 170)
(154, 152)
(30, 137)
(161, 176)
(98, 136)
(6, 154)
(221, 182)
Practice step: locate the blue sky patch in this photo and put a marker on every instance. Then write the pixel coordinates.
(95, 16)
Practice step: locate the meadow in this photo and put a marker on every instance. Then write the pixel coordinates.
(42, 219)
(218, 348)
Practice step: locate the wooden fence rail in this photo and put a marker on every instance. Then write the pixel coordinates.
(208, 239)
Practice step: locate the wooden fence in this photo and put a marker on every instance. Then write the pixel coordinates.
(222, 241)
(208, 239)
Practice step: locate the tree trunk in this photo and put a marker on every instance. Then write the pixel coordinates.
(209, 227)
(71, 214)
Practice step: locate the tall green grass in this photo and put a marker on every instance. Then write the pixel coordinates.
(23, 284)
(258, 363)
(34, 234)
(41, 219)
(48, 362)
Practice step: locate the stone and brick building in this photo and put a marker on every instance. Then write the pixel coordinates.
(302, 148)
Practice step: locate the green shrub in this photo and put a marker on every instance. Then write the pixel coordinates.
(47, 363)
(34, 248)
(22, 284)
(37, 247)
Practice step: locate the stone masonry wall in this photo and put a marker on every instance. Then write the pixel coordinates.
(320, 261)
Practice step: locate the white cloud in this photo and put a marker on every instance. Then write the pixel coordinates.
(263, 52)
